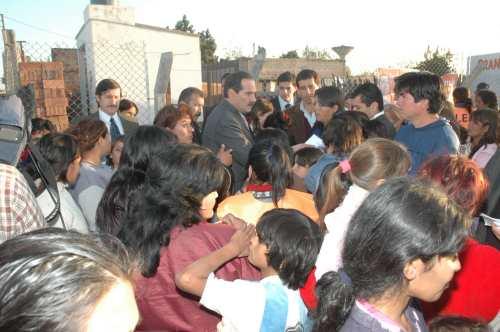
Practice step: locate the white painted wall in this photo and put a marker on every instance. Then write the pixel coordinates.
(109, 28)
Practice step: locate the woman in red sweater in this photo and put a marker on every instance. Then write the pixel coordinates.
(475, 290)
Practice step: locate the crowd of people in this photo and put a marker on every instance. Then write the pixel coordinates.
(307, 211)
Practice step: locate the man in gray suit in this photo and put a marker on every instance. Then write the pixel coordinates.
(108, 94)
(367, 98)
(227, 124)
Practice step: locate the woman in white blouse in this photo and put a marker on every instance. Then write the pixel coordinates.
(483, 135)
(62, 154)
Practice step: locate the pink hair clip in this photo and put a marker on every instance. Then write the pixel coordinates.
(345, 166)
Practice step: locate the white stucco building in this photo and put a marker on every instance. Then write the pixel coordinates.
(151, 64)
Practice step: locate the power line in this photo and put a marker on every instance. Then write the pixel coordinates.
(37, 28)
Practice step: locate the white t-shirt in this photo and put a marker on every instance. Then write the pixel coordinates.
(337, 223)
(266, 305)
(71, 213)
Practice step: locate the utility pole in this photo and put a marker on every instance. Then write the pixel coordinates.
(3, 22)
(21, 42)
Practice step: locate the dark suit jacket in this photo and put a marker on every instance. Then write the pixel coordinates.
(129, 127)
(276, 104)
(225, 125)
(492, 170)
(298, 129)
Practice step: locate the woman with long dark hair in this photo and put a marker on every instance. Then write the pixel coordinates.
(166, 228)
(62, 154)
(394, 251)
(270, 176)
(128, 180)
(482, 131)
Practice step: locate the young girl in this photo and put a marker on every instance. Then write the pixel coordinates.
(369, 165)
(401, 244)
(284, 250)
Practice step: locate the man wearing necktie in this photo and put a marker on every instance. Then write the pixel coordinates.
(286, 89)
(108, 95)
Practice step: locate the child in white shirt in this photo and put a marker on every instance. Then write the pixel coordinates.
(284, 247)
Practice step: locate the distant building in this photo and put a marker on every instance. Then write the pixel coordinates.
(48, 82)
(152, 64)
(266, 72)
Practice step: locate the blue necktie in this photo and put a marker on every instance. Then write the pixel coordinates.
(114, 131)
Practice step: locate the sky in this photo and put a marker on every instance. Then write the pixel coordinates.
(384, 33)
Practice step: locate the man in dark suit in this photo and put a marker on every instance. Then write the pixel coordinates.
(194, 99)
(367, 98)
(301, 117)
(227, 124)
(286, 89)
(108, 94)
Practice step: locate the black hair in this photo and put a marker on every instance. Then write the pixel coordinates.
(422, 85)
(127, 183)
(39, 124)
(277, 136)
(52, 279)
(59, 150)
(330, 96)
(145, 142)
(489, 98)
(126, 104)
(457, 324)
(271, 164)
(293, 241)
(482, 86)
(175, 182)
(233, 82)
(394, 229)
(307, 156)
(276, 120)
(369, 94)
(375, 128)
(486, 117)
(361, 118)
(286, 77)
(105, 85)
(187, 93)
(306, 74)
(461, 97)
(343, 133)
(109, 159)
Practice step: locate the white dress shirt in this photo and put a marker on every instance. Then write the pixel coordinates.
(106, 118)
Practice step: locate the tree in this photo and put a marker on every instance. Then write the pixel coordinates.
(290, 55)
(184, 25)
(207, 47)
(437, 62)
(314, 53)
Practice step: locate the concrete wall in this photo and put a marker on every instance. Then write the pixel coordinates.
(131, 52)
